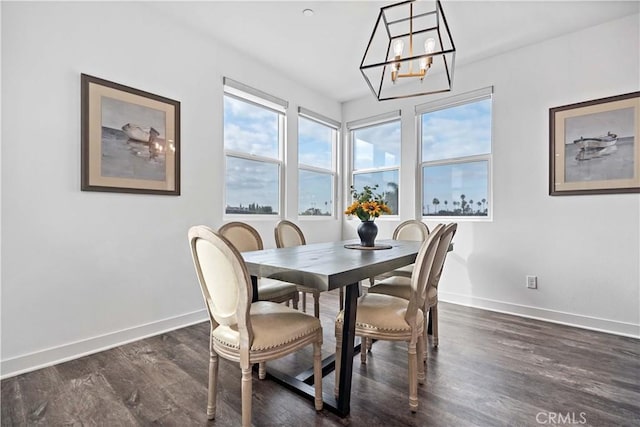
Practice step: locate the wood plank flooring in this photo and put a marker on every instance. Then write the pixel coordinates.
(490, 369)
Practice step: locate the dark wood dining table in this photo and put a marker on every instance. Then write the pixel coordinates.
(328, 266)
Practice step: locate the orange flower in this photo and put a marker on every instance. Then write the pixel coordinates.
(353, 208)
(367, 205)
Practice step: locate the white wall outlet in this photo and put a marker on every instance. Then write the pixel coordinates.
(532, 282)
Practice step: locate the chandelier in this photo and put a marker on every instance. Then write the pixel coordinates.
(410, 52)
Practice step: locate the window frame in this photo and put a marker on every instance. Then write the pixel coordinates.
(390, 117)
(335, 126)
(443, 104)
(268, 102)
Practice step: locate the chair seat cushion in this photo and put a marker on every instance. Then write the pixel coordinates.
(274, 325)
(270, 289)
(381, 314)
(400, 287)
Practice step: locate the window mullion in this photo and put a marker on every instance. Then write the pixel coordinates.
(467, 159)
(254, 157)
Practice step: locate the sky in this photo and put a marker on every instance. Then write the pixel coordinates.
(456, 132)
(451, 133)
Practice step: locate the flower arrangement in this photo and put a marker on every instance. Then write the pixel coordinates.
(367, 205)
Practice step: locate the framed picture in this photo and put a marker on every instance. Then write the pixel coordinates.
(594, 146)
(130, 139)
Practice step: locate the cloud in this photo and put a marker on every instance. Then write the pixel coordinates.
(315, 143)
(457, 132)
(249, 181)
(377, 146)
(250, 129)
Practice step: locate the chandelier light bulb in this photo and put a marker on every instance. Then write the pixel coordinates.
(423, 63)
(429, 45)
(398, 46)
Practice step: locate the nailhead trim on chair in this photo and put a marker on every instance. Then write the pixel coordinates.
(374, 328)
(235, 346)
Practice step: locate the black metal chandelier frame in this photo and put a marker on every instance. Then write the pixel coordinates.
(439, 19)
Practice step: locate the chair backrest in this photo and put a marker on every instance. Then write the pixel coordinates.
(422, 272)
(411, 230)
(243, 236)
(441, 254)
(224, 279)
(288, 234)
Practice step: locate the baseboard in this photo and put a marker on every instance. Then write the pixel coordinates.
(570, 319)
(52, 356)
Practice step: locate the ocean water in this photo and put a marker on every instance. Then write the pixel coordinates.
(123, 158)
(617, 165)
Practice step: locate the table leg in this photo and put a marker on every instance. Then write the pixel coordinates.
(430, 323)
(302, 383)
(254, 286)
(346, 357)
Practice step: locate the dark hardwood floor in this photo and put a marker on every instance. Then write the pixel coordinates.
(490, 370)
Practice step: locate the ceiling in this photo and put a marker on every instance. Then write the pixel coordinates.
(324, 51)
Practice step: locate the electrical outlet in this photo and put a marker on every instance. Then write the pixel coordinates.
(532, 282)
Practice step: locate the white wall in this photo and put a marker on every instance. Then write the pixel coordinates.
(85, 270)
(585, 250)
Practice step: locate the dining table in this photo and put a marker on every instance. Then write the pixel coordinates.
(325, 267)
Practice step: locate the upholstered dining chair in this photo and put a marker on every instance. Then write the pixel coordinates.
(412, 229)
(241, 331)
(246, 238)
(400, 286)
(289, 234)
(386, 317)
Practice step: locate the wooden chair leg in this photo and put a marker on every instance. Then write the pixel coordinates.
(421, 366)
(316, 304)
(262, 370)
(363, 350)
(434, 319)
(317, 372)
(304, 302)
(246, 396)
(337, 359)
(413, 378)
(213, 383)
(372, 281)
(296, 299)
(424, 333)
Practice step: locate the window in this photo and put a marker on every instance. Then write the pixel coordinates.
(456, 156)
(375, 152)
(317, 141)
(254, 124)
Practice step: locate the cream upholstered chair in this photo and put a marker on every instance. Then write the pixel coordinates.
(241, 331)
(401, 286)
(386, 317)
(246, 238)
(289, 234)
(412, 229)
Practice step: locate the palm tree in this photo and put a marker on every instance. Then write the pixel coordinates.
(435, 202)
(463, 204)
(479, 204)
(445, 206)
(483, 202)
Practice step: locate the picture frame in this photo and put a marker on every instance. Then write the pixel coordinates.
(130, 139)
(594, 146)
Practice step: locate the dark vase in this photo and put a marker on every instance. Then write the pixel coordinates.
(367, 230)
